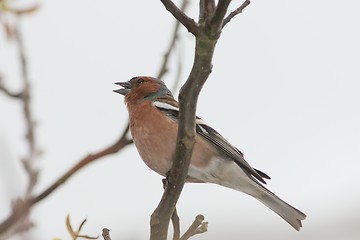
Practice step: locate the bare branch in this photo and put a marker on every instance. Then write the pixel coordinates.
(114, 148)
(206, 9)
(188, 96)
(186, 137)
(33, 153)
(236, 12)
(8, 92)
(206, 39)
(20, 213)
(186, 21)
(218, 17)
(197, 227)
(174, 217)
(176, 225)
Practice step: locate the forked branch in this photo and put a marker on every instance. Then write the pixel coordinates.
(236, 12)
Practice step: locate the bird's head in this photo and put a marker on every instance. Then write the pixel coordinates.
(143, 88)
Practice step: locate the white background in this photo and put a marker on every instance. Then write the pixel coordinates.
(284, 90)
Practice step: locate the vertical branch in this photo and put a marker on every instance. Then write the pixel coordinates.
(208, 31)
(33, 152)
(218, 17)
(8, 92)
(188, 96)
(206, 9)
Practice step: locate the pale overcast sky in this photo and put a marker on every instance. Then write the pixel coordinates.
(284, 90)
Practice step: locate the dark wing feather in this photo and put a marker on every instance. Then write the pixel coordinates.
(219, 141)
(262, 174)
(212, 136)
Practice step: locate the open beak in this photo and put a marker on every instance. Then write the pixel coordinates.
(126, 88)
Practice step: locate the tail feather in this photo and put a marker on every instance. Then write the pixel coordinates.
(227, 175)
(290, 214)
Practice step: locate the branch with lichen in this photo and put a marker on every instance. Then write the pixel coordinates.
(207, 32)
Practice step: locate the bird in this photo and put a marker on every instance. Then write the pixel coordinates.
(153, 120)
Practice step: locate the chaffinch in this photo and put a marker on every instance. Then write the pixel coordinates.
(153, 116)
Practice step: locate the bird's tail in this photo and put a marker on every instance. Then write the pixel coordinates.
(290, 214)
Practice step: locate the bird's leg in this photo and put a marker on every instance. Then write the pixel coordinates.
(165, 180)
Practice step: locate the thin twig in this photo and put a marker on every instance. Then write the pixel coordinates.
(236, 12)
(186, 21)
(7, 92)
(33, 152)
(176, 225)
(197, 227)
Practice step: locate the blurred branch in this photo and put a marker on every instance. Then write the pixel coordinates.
(122, 142)
(163, 68)
(236, 12)
(25, 97)
(20, 210)
(8, 92)
(207, 33)
(106, 234)
(33, 152)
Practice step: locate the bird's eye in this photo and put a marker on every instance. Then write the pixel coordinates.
(140, 81)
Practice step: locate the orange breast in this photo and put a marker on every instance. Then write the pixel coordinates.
(155, 134)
